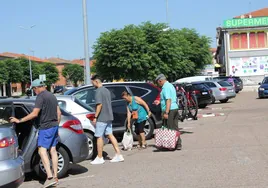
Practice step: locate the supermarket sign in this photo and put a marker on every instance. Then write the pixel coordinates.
(246, 22)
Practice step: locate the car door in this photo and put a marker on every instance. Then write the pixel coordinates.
(118, 105)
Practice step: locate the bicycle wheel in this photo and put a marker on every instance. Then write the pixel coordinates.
(193, 106)
(182, 103)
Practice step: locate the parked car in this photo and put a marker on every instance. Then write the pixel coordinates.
(263, 89)
(147, 91)
(11, 163)
(222, 91)
(73, 143)
(237, 81)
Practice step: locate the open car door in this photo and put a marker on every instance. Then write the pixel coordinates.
(7, 110)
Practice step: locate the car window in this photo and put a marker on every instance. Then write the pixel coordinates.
(210, 84)
(199, 86)
(87, 96)
(138, 91)
(265, 81)
(116, 92)
(77, 101)
(224, 84)
(5, 114)
(62, 104)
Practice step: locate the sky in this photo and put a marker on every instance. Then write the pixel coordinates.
(58, 30)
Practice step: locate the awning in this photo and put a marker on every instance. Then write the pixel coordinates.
(217, 65)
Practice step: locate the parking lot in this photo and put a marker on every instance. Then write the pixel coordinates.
(225, 147)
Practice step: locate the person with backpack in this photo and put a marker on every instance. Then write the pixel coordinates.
(137, 110)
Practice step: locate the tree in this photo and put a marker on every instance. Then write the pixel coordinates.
(36, 68)
(73, 73)
(51, 72)
(141, 52)
(3, 73)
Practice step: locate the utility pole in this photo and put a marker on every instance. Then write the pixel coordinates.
(86, 45)
(167, 18)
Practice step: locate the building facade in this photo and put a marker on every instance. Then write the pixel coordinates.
(243, 46)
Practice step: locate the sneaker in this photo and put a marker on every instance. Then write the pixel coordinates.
(97, 161)
(117, 158)
(49, 183)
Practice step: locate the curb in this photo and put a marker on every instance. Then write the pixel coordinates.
(209, 115)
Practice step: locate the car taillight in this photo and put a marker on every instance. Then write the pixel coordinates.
(223, 89)
(74, 125)
(90, 116)
(6, 142)
(196, 92)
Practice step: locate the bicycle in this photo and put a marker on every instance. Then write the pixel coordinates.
(187, 101)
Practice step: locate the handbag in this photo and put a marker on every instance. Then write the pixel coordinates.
(166, 138)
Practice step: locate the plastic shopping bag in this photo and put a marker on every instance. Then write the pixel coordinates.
(127, 141)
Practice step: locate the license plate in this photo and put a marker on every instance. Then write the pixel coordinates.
(231, 90)
(204, 93)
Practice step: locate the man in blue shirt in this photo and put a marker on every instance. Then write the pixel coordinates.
(169, 105)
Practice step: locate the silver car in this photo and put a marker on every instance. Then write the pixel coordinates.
(222, 91)
(11, 163)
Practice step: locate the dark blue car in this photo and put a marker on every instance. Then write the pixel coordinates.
(263, 89)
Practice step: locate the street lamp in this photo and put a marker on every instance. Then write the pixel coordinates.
(30, 62)
(86, 46)
(167, 20)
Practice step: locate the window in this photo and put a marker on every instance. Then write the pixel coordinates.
(211, 84)
(258, 40)
(238, 41)
(87, 96)
(138, 91)
(224, 84)
(5, 114)
(116, 92)
(62, 104)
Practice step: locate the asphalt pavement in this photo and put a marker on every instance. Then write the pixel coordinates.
(222, 151)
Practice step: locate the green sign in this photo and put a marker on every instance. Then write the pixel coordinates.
(246, 22)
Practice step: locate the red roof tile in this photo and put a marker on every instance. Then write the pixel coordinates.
(258, 13)
(57, 60)
(14, 55)
(82, 62)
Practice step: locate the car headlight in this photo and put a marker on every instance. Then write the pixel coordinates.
(261, 89)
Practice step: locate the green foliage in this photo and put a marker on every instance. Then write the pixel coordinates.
(73, 72)
(3, 72)
(141, 52)
(14, 70)
(51, 72)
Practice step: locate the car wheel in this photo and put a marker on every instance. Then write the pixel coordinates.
(92, 145)
(224, 101)
(148, 129)
(237, 92)
(202, 106)
(63, 164)
(213, 100)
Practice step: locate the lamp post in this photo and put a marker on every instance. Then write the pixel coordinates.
(29, 58)
(86, 46)
(167, 19)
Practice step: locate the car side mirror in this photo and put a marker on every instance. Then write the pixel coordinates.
(259, 83)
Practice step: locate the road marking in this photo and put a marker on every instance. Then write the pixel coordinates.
(209, 115)
(77, 178)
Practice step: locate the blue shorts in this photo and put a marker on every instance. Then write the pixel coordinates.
(103, 128)
(48, 138)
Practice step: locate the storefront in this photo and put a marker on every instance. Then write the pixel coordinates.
(243, 47)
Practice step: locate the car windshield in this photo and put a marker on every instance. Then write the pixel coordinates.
(224, 84)
(265, 81)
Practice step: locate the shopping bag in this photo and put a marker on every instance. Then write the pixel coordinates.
(166, 138)
(127, 141)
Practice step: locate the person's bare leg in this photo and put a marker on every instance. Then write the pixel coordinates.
(45, 160)
(142, 137)
(114, 143)
(100, 147)
(139, 140)
(54, 157)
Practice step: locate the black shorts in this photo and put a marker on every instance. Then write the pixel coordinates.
(139, 127)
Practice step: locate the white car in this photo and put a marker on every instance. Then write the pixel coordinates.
(85, 114)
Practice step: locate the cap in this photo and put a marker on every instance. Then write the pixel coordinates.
(37, 83)
(160, 76)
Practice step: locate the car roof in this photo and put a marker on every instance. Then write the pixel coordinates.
(18, 100)
(114, 83)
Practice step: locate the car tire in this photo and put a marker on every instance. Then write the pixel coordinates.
(237, 92)
(224, 101)
(148, 132)
(202, 105)
(64, 161)
(213, 100)
(92, 145)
